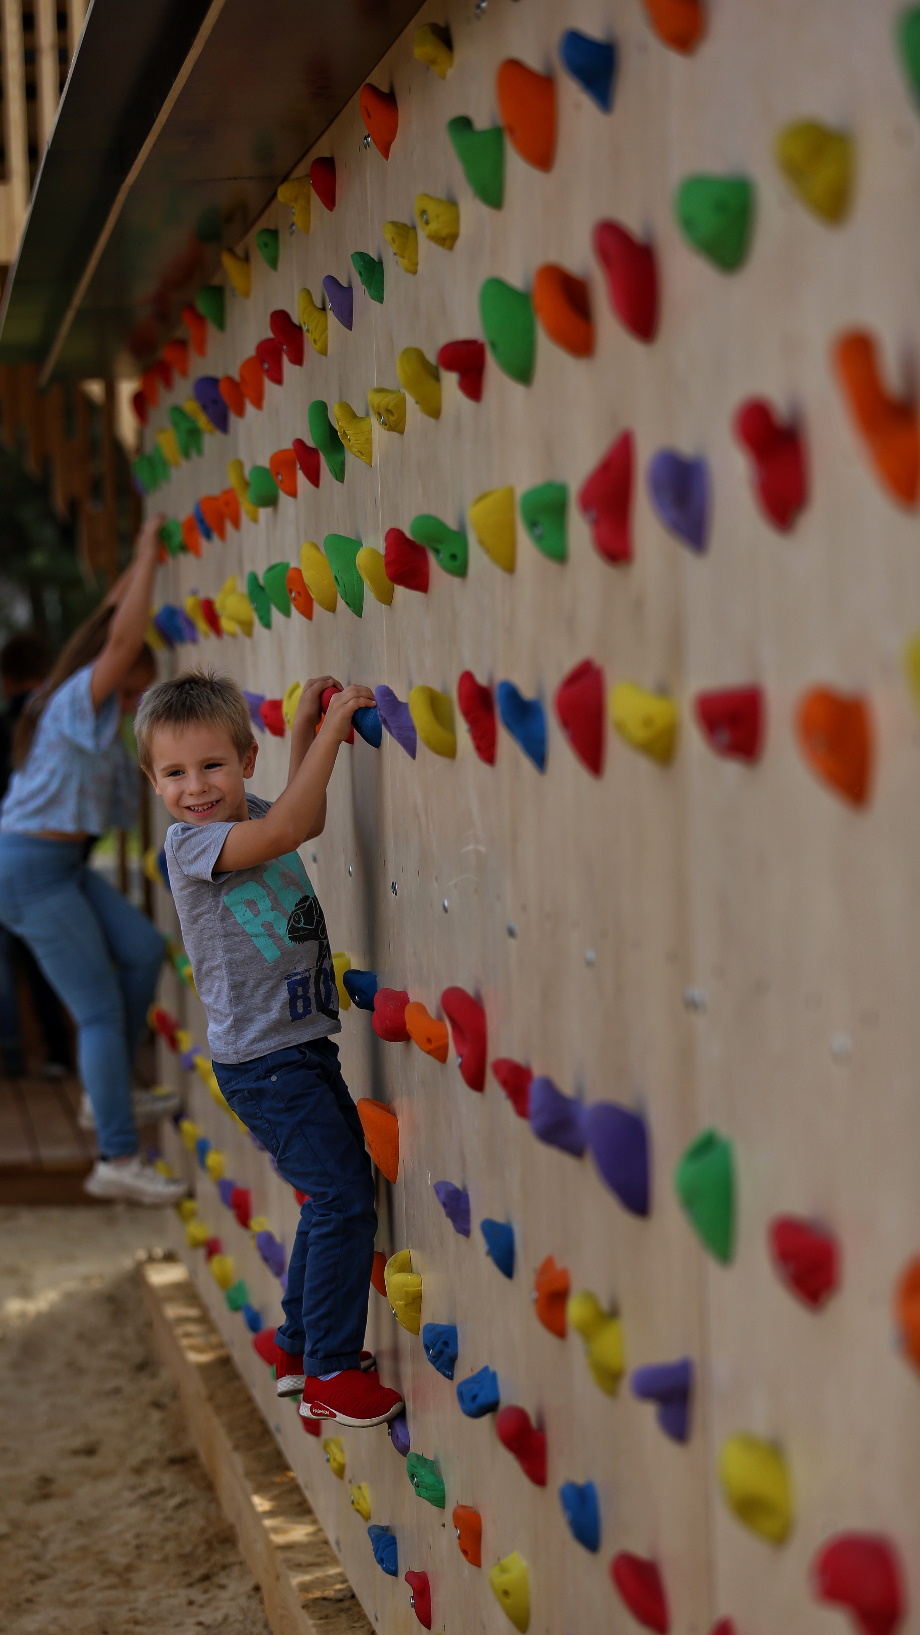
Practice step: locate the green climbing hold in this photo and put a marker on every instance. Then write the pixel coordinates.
(275, 581)
(210, 303)
(261, 605)
(704, 1181)
(543, 513)
(716, 215)
(237, 1296)
(263, 490)
(326, 438)
(482, 155)
(142, 473)
(171, 535)
(426, 1479)
(341, 554)
(370, 273)
(267, 246)
(159, 465)
(907, 35)
(448, 546)
(189, 434)
(509, 327)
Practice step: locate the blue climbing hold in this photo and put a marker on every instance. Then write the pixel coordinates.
(398, 1431)
(169, 624)
(202, 1148)
(252, 1319)
(525, 719)
(618, 1140)
(479, 1394)
(383, 1544)
(455, 1204)
(556, 1119)
(499, 1238)
(361, 987)
(679, 491)
(225, 1189)
(441, 1347)
(582, 1512)
(593, 63)
(204, 529)
(670, 1385)
(366, 722)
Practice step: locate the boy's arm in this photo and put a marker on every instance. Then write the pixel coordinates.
(303, 733)
(294, 814)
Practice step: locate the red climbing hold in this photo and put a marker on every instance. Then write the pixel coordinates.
(212, 1247)
(806, 1258)
(141, 407)
(521, 1437)
(272, 712)
(732, 721)
(176, 355)
(322, 181)
(252, 381)
(288, 334)
(467, 1020)
(381, 117)
(313, 1427)
(580, 708)
(466, 360)
(641, 1588)
(241, 1205)
(631, 271)
(477, 706)
(150, 387)
(418, 1582)
(265, 1346)
(301, 1197)
(270, 354)
(725, 1626)
(778, 453)
(605, 501)
(378, 1281)
(308, 460)
(406, 563)
(211, 615)
(514, 1079)
(861, 1571)
(164, 373)
(197, 327)
(389, 1018)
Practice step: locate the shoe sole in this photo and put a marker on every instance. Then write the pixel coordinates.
(306, 1412)
(122, 1195)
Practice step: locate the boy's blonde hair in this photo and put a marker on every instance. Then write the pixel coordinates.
(199, 697)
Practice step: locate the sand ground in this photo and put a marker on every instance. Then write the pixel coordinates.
(107, 1521)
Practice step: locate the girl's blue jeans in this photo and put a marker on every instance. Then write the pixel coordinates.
(297, 1103)
(101, 956)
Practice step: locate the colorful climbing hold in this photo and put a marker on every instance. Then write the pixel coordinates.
(420, 1599)
(288, 334)
(371, 273)
(482, 157)
(431, 44)
(341, 298)
(447, 545)
(468, 1528)
(466, 360)
(862, 1572)
(551, 1289)
(314, 321)
(426, 1478)
(779, 476)
(283, 467)
(426, 1031)
(602, 1336)
(732, 721)
(888, 425)
(388, 408)
(404, 1291)
(175, 354)
(385, 1548)
(704, 1181)
(263, 489)
(679, 490)
(403, 241)
(817, 162)
(526, 1441)
(322, 180)
(455, 1204)
(477, 707)
(619, 1144)
(397, 718)
(326, 438)
(372, 568)
(260, 602)
(499, 1241)
(301, 598)
(525, 719)
(527, 107)
(556, 1119)
(479, 1394)
(369, 980)
(907, 35)
(631, 273)
(210, 398)
(755, 1483)
(439, 219)
(197, 327)
(210, 302)
(232, 393)
(252, 381)
(270, 354)
(510, 1584)
(582, 1511)
(381, 117)
(467, 1019)
(670, 1385)
(298, 193)
(679, 24)
(560, 301)
(406, 563)
(716, 216)
(389, 1019)
(238, 271)
(579, 706)
(543, 513)
(432, 713)
(341, 963)
(835, 737)
(318, 576)
(421, 380)
(508, 322)
(807, 1258)
(605, 501)
(492, 520)
(354, 431)
(441, 1347)
(398, 1432)
(641, 1587)
(593, 63)
(272, 712)
(307, 459)
(361, 986)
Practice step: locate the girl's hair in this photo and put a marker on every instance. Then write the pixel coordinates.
(197, 698)
(84, 645)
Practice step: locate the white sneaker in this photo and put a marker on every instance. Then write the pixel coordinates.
(148, 1105)
(136, 1181)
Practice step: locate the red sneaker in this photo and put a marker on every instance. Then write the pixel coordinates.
(290, 1375)
(352, 1397)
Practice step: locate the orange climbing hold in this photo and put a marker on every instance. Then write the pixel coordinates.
(214, 515)
(835, 737)
(551, 1287)
(381, 117)
(889, 425)
(252, 382)
(232, 393)
(560, 301)
(907, 1310)
(298, 592)
(191, 538)
(527, 107)
(381, 1132)
(283, 467)
(426, 1031)
(678, 23)
(175, 353)
(468, 1527)
(229, 501)
(197, 327)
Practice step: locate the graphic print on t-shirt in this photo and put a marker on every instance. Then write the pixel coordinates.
(278, 911)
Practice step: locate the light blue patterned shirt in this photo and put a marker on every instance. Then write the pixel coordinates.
(78, 777)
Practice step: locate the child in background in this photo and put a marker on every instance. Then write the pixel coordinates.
(255, 933)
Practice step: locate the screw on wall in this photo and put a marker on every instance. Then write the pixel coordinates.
(511, 928)
(694, 999)
(394, 888)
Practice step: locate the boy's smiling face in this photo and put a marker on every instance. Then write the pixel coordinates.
(199, 774)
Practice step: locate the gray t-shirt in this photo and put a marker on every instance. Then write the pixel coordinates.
(257, 942)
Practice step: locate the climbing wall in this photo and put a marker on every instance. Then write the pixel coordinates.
(680, 892)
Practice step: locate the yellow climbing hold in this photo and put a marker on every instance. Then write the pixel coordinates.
(360, 1497)
(439, 219)
(372, 568)
(235, 609)
(184, 1043)
(314, 321)
(196, 1234)
(215, 1164)
(431, 44)
(257, 1223)
(388, 406)
(168, 444)
(340, 964)
(298, 193)
(193, 407)
(187, 1209)
(238, 271)
(817, 162)
(153, 638)
(510, 1584)
(433, 715)
(290, 702)
(318, 576)
(404, 1290)
(189, 1132)
(602, 1334)
(193, 609)
(912, 668)
(355, 431)
(492, 519)
(239, 482)
(403, 239)
(648, 721)
(222, 1270)
(421, 379)
(335, 1455)
(755, 1482)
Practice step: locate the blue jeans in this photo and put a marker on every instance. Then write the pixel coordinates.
(101, 956)
(297, 1103)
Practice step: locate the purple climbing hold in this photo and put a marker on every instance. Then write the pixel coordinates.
(253, 701)
(189, 628)
(618, 1140)
(455, 1204)
(341, 298)
(398, 1429)
(207, 394)
(556, 1119)
(272, 1252)
(679, 491)
(397, 718)
(670, 1385)
(187, 1059)
(226, 1189)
